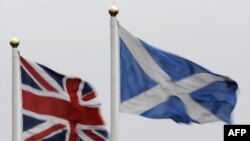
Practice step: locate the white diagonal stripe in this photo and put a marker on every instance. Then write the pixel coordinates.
(40, 128)
(83, 136)
(33, 78)
(143, 58)
(145, 101)
(47, 77)
(191, 83)
(51, 120)
(94, 102)
(37, 129)
(90, 127)
(196, 111)
(100, 135)
(45, 93)
(197, 81)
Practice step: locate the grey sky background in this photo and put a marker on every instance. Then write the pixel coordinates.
(73, 36)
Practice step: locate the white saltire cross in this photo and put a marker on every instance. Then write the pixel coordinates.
(166, 87)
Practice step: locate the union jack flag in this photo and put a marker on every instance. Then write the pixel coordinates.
(57, 107)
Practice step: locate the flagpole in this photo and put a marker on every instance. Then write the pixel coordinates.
(115, 90)
(16, 96)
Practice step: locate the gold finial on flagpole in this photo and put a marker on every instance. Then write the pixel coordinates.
(14, 42)
(113, 10)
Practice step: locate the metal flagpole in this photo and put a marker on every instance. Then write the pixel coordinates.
(115, 86)
(16, 95)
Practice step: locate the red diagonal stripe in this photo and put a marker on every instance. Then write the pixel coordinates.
(92, 135)
(45, 133)
(61, 108)
(89, 96)
(37, 76)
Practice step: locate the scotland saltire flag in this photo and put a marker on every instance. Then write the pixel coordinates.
(159, 85)
(57, 107)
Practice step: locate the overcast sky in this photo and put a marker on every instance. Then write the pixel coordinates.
(72, 37)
